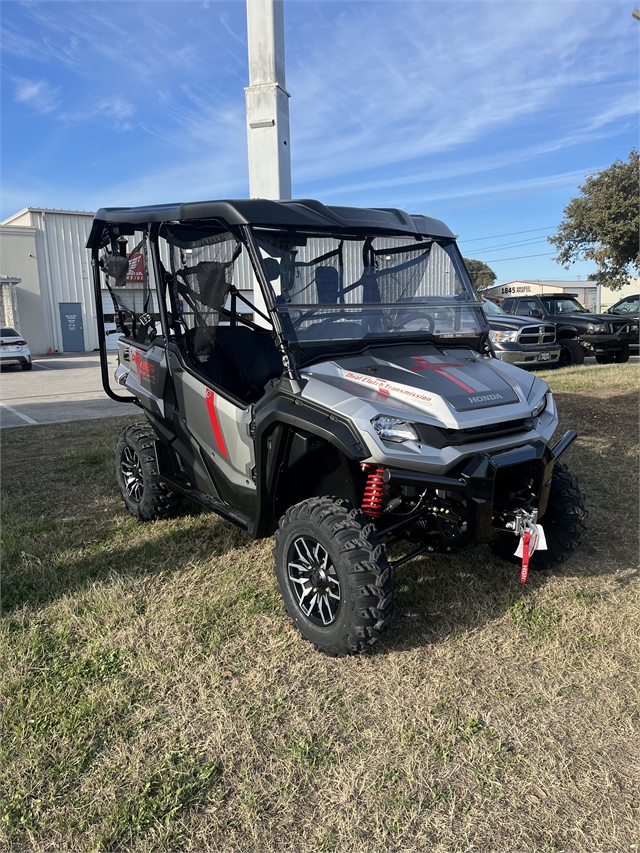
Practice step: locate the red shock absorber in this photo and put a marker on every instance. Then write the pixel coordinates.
(373, 491)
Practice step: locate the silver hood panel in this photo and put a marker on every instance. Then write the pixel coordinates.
(453, 388)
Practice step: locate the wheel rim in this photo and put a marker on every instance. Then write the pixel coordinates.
(313, 581)
(131, 471)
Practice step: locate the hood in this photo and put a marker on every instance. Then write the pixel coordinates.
(420, 378)
(513, 322)
(582, 319)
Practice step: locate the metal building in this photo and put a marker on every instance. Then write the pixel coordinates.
(55, 303)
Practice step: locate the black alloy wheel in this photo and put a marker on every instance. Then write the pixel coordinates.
(313, 580)
(333, 575)
(131, 471)
(145, 494)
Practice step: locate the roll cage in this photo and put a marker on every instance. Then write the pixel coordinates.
(220, 231)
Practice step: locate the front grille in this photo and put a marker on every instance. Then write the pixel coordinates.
(537, 335)
(439, 437)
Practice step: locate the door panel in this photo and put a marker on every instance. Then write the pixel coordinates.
(71, 325)
(221, 430)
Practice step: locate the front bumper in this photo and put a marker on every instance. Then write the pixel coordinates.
(525, 357)
(493, 486)
(603, 344)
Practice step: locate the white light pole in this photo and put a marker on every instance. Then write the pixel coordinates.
(267, 102)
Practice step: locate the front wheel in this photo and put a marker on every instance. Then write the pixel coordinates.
(145, 495)
(571, 352)
(622, 357)
(563, 522)
(333, 576)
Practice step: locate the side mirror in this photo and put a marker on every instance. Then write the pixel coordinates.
(535, 312)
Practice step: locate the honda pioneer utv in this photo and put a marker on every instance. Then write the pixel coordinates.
(324, 374)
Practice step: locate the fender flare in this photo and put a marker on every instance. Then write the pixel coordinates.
(565, 331)
(275, 421)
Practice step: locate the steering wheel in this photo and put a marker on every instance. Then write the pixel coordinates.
(414, 315)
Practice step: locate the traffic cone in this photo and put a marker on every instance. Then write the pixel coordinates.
(49, 351)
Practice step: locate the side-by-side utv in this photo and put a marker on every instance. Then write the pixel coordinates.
(324, 374)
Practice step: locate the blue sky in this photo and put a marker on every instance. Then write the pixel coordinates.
(485, 114)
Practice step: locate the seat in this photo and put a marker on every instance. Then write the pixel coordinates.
(243, 361)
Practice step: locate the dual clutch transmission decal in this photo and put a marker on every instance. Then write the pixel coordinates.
(465, 387)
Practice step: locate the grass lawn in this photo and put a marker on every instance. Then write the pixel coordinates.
(155, 696)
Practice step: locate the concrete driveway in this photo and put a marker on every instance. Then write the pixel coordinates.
(59, 388)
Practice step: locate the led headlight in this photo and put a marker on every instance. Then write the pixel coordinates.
(505, 337)
(541, 406)
(595, 329)
(393, 429)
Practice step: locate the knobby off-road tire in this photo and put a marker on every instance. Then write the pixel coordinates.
(333, 575)
(571, 352)
(563, 522)
(143, 492)
(623, 356)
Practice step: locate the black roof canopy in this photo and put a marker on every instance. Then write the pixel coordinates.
(298, 213)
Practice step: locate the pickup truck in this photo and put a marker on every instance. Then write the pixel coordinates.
(629, 307)
(578, 331)
(518, 341)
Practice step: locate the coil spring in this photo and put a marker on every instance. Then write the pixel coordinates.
(373, 491)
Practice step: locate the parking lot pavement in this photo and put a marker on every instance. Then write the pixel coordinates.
(59, 388)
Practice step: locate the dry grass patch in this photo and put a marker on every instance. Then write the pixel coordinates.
(156, 698)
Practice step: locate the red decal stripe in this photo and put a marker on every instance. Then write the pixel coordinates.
(215, 423)
(427, 365)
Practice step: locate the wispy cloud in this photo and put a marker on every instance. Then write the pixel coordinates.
(37, 94)
(388, 88)
(115, 108)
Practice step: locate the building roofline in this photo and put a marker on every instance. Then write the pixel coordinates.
(24, 210)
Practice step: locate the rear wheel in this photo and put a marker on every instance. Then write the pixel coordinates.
(333, 575)
(571, 352)
(27, 365)
(563, 522)
(145, 495)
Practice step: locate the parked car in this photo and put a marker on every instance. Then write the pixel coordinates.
(14, 349)
(578, 331)
(628, 307)
(517, 341)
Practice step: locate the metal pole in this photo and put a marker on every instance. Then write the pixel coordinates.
(267, 102)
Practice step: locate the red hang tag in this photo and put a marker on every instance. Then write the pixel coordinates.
(524, 571)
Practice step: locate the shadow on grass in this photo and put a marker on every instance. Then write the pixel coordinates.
(62, 556)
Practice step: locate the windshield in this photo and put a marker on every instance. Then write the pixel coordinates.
(491, 309)
(352, 287)
(563, 306)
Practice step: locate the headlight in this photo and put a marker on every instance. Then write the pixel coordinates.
(595, 329)
(393, 429)
(539, 409)
(505, 337)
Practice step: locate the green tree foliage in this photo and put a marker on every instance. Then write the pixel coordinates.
(481, 273)
(602, 224)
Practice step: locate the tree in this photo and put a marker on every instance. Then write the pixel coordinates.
(602, 224)
(481, 273)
